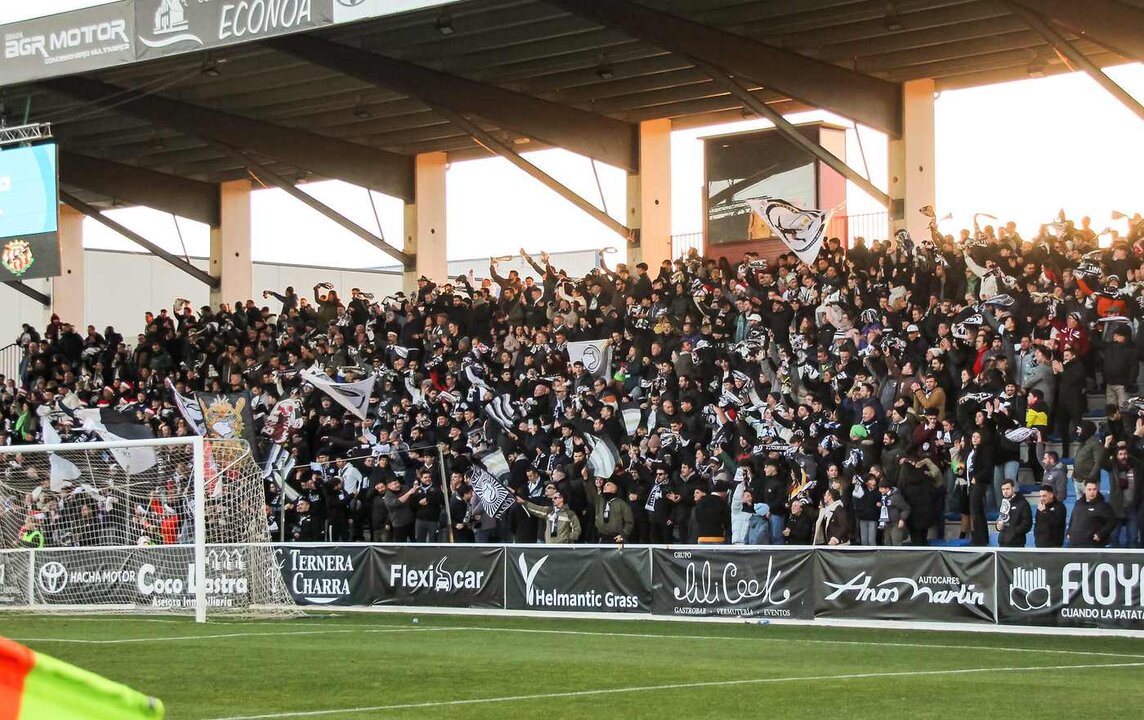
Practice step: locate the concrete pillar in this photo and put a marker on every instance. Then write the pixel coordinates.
(649, 196)
(68, 288)
(425, 232)
(912, 172)
(230, 245)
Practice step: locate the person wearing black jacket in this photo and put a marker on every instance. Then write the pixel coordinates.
(338, 511)
(1016, 517)
(461, 512)
(1049, 529)
(711, 518)
(979, 472)
(376, 512)
(799, 525)
(1093, 522)
(428, 503)
(1071, 401)
(1120, 366)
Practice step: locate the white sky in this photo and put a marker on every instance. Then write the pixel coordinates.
(1020, 151)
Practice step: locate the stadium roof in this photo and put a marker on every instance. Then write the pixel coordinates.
(358, 100)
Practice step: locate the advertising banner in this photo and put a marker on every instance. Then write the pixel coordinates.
(351, 10)
(170, 27)
(327, 575)
(759, 582)
(905, 585)
(578, 579)
(1093, 589)
(14, 577)
(68, 43)
(157, 577)
(437, 576)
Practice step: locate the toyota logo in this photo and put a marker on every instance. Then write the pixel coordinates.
(53, 577)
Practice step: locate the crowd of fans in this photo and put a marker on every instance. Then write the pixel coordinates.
(857, 400)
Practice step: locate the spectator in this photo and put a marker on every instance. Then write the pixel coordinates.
(1092, 523)
(833, 524)
(1015, 518)
(560, 524)
(1049, 530)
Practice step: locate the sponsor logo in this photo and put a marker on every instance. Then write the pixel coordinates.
(1107, 585)
(317, 578)
(73, 43)
(350, 3)
(261, 17)
(17, 257)
(588, 599)
(704, 585)
(1030, 589)
(52, 577)
(434, 578)
(170, 25)
(927, 588)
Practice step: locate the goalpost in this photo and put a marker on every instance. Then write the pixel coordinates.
(169, 525)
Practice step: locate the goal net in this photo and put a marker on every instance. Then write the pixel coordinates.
(173, 525)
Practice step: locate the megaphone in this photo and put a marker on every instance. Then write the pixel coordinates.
(1117, 215)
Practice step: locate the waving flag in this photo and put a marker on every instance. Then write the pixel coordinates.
(495, 498)
(34, 685)
(803, 231)
(603, 457)
(188, 408)
(353, 396)
(595, 354)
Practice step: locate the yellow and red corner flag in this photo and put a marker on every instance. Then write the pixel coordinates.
(34, 686)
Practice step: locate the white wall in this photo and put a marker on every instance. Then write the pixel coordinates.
(121, 286)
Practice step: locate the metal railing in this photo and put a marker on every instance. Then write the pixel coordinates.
(10, 357)
(681, 244)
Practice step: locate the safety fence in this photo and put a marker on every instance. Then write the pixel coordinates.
(1051, 589)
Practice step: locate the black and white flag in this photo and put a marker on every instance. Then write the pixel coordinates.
(353, 396)
(595, 354)
(502, 411)
(495, 498)
(632, 414)
(803, 231)
(603, 457)
(188, 408)
(495, 462)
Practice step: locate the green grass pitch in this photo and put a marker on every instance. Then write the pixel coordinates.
(359, 665)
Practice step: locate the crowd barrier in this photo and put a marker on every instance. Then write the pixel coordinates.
(1053, 589)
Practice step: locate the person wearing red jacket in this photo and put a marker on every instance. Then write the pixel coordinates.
(1071, 334)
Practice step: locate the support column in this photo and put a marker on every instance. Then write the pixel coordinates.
(425, 236)
(649, 197)
(68, 289)
(912, 171)
(230, 245)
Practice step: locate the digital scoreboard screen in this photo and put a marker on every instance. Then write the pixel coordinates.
(29, 212)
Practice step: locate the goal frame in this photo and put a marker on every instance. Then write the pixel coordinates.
(198, 470)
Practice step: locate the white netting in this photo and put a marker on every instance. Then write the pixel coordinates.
(113, 530)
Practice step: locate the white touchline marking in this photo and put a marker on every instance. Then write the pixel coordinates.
(119, 641)
(339, 628)
(671, 686)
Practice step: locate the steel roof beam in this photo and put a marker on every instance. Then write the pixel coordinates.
(264, 173)
(872, 102)
(180, 196)
(595, 136)
(94, 213)
(382, 171)
(1077, 58)
(27, 290)
(1114, 25)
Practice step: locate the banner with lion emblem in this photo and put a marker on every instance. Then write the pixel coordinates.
(227, 416)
